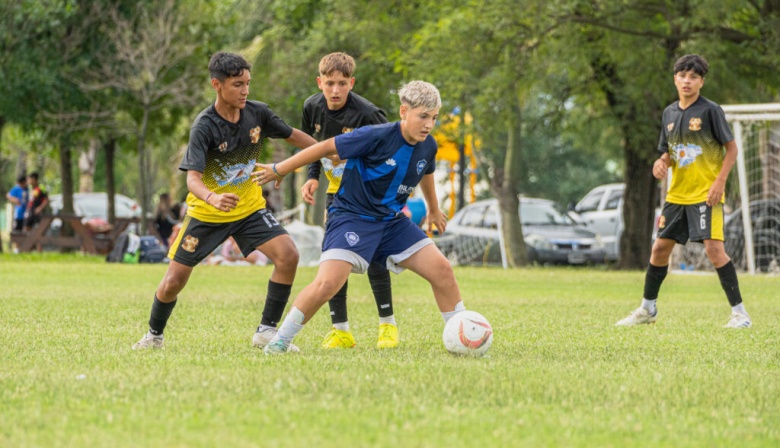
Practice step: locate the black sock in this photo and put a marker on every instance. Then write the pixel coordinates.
(653, 278)
(383, 290)
(275, 301)
(728, 280)
(161, 311)
(338, 306)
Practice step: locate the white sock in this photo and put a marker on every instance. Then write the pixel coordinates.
(447, 315)
(343, 326)
(649, 305)
(739, 309)
(387, 320)
(291, 326)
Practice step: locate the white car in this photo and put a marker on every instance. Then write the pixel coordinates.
(95, 205)
(601, 210)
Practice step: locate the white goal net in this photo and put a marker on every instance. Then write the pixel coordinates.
(752, 195)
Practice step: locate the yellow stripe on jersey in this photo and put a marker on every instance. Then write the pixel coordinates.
(334, 174)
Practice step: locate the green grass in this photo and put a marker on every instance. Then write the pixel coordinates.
(559, 372)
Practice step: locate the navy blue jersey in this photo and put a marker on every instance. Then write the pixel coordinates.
(382, 170)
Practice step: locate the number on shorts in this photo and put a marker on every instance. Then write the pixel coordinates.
(270, 220)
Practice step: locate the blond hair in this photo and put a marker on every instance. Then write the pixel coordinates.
(420, 93)
(337, 62)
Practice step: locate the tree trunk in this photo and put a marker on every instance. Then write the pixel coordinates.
(505, 189)
(2, 125)
(461, 202)
(66, 175)
(143, 165)
(110, 149)
(639, 201)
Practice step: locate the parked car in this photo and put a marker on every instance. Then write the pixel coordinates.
(601, 210)
(551, 236)
(95, 205)
(92, 206)
(765, 219)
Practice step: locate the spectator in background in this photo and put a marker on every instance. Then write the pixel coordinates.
(164, 219)
(19, 197)
(39, 200)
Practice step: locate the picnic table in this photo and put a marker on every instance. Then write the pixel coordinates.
(83, 238)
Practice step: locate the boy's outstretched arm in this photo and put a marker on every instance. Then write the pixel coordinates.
(276, 171)
(300, 139)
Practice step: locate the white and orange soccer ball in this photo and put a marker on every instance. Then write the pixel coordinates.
(468, 333)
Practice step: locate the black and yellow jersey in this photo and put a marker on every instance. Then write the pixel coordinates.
(694, 138)
(226, 154)
(322, 123)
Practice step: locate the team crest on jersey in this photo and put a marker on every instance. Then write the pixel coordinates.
(347, 130)
(694, 124)
(190, 243)
(352, 238)
(254, 134)
(662, 222)
(670, 126)
(223, 147)
(317, 128)
(421, 165)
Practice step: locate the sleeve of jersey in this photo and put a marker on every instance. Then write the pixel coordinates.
(432, 165)
(356, 143)
(195, 157)
(720, 127)
(275, 127)
(378, 117)
(663, 145)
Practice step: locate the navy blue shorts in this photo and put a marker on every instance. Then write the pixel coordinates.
(362, 242)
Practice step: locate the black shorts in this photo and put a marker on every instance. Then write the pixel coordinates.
(32, 220)
(695, 222)
(197, 239)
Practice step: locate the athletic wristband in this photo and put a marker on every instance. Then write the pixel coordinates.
(273, 168)
(207, 197)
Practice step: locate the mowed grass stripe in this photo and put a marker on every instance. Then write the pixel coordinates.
(559, 372)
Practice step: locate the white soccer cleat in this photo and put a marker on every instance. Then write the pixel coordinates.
(638, 317)
(264, 336)
(149, 341)
(739, 321)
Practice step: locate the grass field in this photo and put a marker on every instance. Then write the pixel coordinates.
(559, 373)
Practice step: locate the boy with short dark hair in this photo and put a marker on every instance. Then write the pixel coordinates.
(18, 196)
(366, 224)
(693, 136)
(337, 110)
(226, 141)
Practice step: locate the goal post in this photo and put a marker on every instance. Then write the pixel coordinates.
(756, 130)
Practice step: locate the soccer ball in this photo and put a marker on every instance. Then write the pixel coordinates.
(468, 333)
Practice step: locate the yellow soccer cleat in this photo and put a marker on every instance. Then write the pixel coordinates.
(388, 336)
(338, 339)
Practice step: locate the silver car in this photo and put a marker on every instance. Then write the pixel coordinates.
(551, 236)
